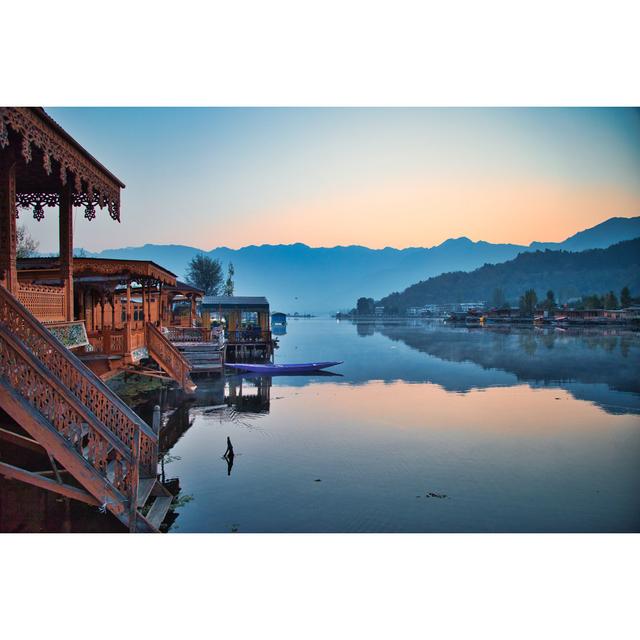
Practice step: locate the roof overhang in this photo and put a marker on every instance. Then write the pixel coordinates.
(49, 160)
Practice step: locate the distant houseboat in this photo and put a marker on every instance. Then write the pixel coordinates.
(246, 322)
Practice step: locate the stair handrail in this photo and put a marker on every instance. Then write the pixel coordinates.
(63, 411)
(88, 415)
(184, 365)
(116, 416)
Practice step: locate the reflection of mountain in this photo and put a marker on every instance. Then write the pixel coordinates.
(601, 366)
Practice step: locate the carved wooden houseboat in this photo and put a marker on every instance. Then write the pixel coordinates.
(68, 324)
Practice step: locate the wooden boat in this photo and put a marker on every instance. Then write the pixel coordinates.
(283, 369)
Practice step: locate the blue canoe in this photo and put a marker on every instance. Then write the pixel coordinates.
(283, 369)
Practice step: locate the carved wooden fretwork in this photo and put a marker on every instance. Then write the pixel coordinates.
(66, 415)
(69, 371)
(92, 187)
(38, 201)
(45, 302)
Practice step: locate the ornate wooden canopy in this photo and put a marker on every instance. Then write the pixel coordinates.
(99, 269)
(50, 160)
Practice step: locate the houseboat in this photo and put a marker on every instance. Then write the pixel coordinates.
(69, 324)
(245, 321)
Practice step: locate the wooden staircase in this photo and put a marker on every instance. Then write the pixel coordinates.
(170, 359)
(68, 411)
(203, 357)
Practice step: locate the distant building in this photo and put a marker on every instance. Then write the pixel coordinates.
(278, 317)
(379, 311)
(467, 306)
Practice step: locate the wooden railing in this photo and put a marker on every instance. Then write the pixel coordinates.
(90, 391)
(108, 341)
(168, 357)
(44, 302)
(30, 379)
(248, 336)
(188, 334)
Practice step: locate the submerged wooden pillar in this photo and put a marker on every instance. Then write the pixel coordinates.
(66, 249)
(8, 226)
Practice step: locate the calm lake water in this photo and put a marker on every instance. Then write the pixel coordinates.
(428, 428)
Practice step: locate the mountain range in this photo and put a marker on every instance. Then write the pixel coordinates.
(570, 274)
(297, 277)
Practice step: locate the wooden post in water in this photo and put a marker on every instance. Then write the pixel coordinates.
(135, 474)
(155, 425)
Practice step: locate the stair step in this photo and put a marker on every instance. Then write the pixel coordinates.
(145, 485)
(159, 510)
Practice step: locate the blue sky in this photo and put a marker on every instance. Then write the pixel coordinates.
(376, 177)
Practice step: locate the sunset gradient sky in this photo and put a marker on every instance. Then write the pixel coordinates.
(370, 176)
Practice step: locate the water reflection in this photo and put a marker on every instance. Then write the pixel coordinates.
(494, 419)
(592, 364)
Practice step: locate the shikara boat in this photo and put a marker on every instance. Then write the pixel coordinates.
(283, 369)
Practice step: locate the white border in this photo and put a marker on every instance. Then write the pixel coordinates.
(320, 53)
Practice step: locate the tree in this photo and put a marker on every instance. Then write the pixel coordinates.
(528, 302)
(205, 273)
(228, 285)
(625, 297)
(550, 300)
(365, 306)
(26, 245)
(498, 299)
(610, 301)
(592, 302)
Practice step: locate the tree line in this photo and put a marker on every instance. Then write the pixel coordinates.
(529, 302)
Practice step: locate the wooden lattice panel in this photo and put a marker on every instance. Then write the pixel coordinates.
(45, 303)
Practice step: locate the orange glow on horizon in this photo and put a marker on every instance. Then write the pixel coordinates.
(417, 213)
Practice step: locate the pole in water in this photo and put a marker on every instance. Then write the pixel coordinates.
(229, 455)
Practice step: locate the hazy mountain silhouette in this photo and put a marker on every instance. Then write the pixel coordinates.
(569, 274)
(297, 277)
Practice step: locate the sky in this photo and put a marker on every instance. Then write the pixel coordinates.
(209, 177)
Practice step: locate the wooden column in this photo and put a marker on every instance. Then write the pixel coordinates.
(8, 226)
(160, 306)
(81, 311)
(66, 248)
(127, 326)
(142, 290)
(192, 309)
(149, 318)
(102, 303)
